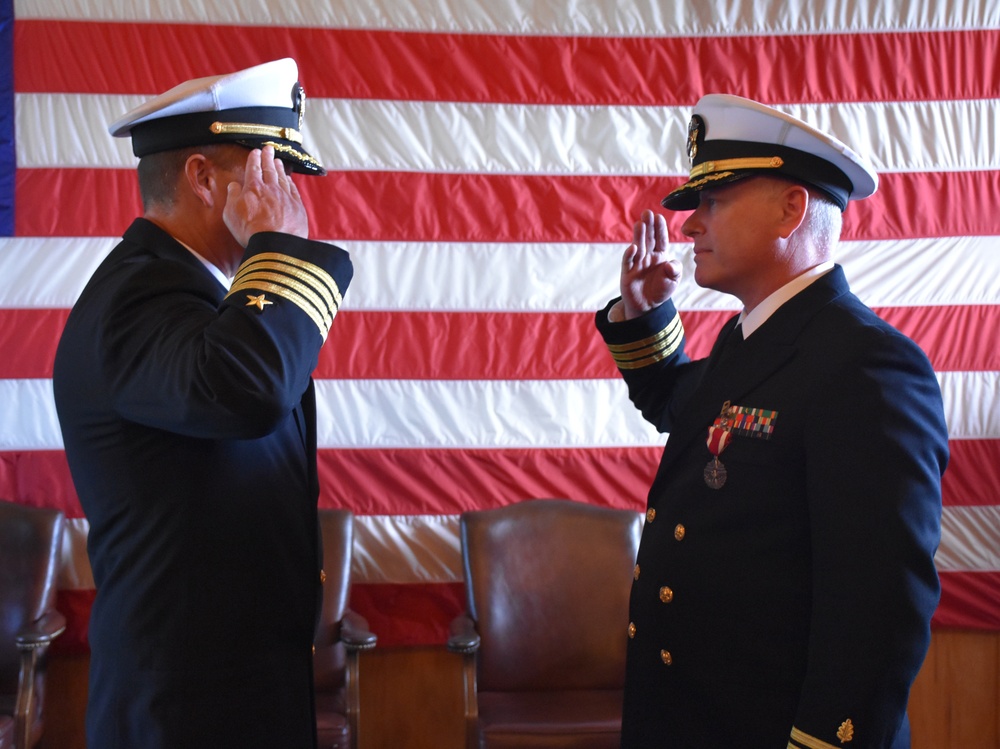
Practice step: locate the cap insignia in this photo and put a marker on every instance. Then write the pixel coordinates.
(299, 100)
(694, 133)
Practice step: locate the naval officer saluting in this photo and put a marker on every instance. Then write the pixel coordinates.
(188, 416)
(785, 579)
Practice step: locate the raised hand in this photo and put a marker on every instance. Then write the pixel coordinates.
(267, 200)
(649, 275)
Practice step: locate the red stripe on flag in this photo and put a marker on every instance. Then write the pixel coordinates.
(39, 478)
(501, 208)
(533, 69)
(75, 605)
(511, 345)
(969, 600)
(75, 202)
(397, 345)
(410, 613)
(465, 346)
(448, 481)
(951, 335)
(28, 340)
(973, 473)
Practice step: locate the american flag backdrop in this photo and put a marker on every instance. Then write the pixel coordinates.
(487, 159)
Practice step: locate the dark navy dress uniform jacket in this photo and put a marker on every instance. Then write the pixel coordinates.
(189, 426)
(791, 606)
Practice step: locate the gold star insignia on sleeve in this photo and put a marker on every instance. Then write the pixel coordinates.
(258, 301)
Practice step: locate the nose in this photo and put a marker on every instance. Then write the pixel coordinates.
(692, 225)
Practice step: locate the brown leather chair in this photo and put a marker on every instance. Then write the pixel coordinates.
(547, 584)
(341, 636)
(30, 550)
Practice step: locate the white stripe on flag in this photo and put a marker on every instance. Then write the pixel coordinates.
(70, 130)
(407, 549)
(970, 539)
(50, 272)
(594, 18)
(480, 414)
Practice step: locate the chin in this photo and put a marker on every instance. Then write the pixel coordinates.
(702, 277)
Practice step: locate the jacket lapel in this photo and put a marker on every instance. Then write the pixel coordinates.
(771, 347)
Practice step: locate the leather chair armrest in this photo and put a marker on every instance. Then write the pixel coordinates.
(41, 632)
(354, 632)
(462, 635)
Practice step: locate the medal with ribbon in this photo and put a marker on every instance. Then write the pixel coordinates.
(740, 421)
(719, 435)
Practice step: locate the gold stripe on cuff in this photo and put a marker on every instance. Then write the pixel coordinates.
(255, 277)
(649, 350)
(305, 271)
(323, 322)
(809, 741)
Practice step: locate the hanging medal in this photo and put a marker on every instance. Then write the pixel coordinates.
(719, 435)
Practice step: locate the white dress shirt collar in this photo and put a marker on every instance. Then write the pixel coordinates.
(759, 315)
(219, 275)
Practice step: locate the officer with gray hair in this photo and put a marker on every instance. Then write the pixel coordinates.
(785, 580)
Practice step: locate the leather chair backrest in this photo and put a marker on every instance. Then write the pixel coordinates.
(30, 548)
(337, 531)
(548, 583)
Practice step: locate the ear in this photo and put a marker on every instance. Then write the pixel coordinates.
(794, 201)
(201, 178)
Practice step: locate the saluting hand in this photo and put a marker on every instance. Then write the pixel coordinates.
(267, 200)
(649, 276)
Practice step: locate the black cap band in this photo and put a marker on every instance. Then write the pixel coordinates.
(252, 127)
(721, 161)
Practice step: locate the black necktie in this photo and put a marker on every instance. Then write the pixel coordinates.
(732, 342)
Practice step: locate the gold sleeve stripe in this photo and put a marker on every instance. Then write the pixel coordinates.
(304, 284)
(326, 298)
(323, 322)
(805, 740)
(649, 350)
(301, 269)
(253, 279)
(667, 344)
(623, 347)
